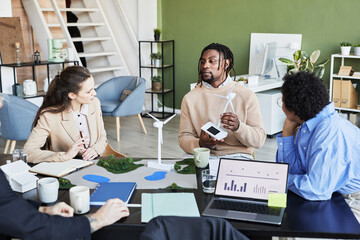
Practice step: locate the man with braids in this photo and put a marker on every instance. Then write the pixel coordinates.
(199, 106)
(322, 148)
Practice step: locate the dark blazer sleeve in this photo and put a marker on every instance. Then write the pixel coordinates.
(21, 219)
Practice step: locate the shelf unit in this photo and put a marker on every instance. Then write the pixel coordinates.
(334, 75)
(167, 64)
(33, 65)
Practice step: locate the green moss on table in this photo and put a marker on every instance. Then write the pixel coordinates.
(65, 183)
(174, 186)
(119, 165)
(188, 169)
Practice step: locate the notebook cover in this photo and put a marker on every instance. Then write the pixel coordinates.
(109, 190)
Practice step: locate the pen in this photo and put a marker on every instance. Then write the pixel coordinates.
(81, 135)
(133, 205)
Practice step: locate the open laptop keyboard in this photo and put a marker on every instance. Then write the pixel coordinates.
(245, 207)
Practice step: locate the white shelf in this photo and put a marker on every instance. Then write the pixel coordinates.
(338, 55)
(347, 109)
(348, 77)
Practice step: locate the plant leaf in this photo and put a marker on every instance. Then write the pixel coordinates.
(297, 55)
(319, 71)
(315, 56)
(286, 61)
(322, 64)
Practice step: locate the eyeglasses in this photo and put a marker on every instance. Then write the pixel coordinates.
(279, 102)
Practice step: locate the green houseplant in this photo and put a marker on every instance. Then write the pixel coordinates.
(156, 58)
(157, 32)
(156, 83)
(303, 62)
(357, 49)
(345, 48)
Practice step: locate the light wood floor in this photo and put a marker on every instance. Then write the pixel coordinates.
(134, 143)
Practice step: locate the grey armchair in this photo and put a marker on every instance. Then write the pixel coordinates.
(109, 94)
(16, 117)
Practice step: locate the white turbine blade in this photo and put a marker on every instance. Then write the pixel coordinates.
(167, 120)
(231, 90)
(226, 105)
(220, 96)
(153, 117)
(232, 95)
(232, 107)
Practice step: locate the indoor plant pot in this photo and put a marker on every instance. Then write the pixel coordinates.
(157, 32)
(357, 49)
(156, 58)
(156, 83)
(345, 48)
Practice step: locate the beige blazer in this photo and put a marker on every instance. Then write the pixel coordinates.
(62, 132)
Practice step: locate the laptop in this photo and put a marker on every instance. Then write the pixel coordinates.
(242, 188)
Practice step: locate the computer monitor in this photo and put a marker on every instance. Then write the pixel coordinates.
(269, 58)
(267, 48)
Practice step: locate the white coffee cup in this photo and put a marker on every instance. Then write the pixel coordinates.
(201, 157)
(48, 189)
(80, 199)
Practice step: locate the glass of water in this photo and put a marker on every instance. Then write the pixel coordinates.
(19, 154)
(208, 181)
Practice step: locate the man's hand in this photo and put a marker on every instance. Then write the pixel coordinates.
(289, 127)
(230, 121)
(61, 209)
(207, 141)
(112, 211)
(89, 154)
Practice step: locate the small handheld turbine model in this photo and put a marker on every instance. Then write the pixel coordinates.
(159, 125)
(215, 130)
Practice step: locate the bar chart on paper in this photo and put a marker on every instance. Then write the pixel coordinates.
(249, 181)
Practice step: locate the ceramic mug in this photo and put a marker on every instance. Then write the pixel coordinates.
(80, 199)
(201, 157)
(48, 189)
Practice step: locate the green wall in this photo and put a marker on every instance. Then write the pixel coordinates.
(193, 24)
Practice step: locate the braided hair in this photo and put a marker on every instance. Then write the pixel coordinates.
(68, 81)
(224, 52)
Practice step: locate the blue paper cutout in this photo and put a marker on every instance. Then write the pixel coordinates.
(96, 178)
(156, 176)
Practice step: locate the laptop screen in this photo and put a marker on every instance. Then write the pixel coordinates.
(250, 179)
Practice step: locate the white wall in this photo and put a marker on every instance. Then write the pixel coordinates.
(5, 9)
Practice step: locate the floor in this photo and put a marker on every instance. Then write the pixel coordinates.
(134, 143)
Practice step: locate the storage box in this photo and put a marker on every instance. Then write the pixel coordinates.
(354, 118)
(349, 95)
(336, 92)
(346, 71)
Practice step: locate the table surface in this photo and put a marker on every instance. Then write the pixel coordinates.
(326, 219)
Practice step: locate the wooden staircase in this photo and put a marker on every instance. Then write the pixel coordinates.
(102, 53)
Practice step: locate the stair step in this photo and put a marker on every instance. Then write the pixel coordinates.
(71, 9)
(89, 39)
(96, 54)
(95, 24)
(105, 69)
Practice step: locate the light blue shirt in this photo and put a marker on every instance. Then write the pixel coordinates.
(324, 158)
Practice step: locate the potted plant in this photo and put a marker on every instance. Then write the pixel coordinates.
(156, 58)
(345, 48)
(157, 32)
(303, 62)
(156, 83)
(357, 49)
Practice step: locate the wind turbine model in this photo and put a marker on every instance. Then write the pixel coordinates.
(159, 125)
(215, 130)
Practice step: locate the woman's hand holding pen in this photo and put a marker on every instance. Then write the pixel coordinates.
(89, 154)
(77, 146)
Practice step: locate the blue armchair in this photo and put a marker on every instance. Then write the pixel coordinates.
(16, 117)
(109, 94)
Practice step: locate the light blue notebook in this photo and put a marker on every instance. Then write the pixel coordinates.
(108, 190)
(168, 204)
